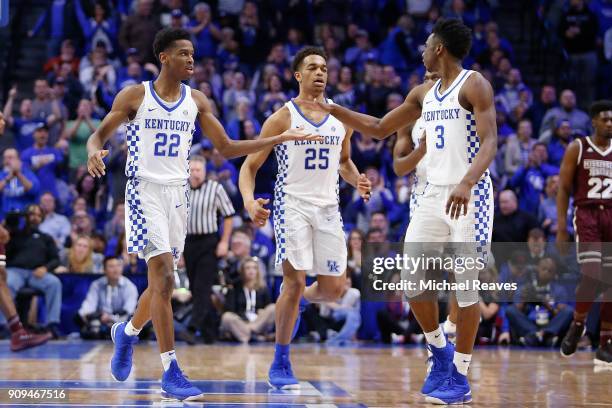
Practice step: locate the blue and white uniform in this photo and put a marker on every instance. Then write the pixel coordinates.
(420, 172)
(307, 221)
(157, 192)
(452, 144)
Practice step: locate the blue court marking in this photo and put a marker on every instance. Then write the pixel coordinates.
(62, 350)
(216, 387)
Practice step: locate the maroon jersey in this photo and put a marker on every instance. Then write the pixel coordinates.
(593, 178)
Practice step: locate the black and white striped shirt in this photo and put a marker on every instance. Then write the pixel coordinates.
(207, 201)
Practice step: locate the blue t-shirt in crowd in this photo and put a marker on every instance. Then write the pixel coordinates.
(206, 45)
(23, 129)
(531, 181)
(33, 157)
(14, 196)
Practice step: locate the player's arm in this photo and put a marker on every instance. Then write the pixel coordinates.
(279, 122)
(566, 179)
(126, 104)
(405, 156)
(235, 148)
(479, 93)
(407, 112)
(348, 171)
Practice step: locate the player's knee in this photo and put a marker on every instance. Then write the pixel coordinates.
(164, 284)
(294, 286)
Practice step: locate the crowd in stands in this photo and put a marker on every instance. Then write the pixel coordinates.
(243, 52)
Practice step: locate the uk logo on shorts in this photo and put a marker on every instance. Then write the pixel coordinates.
(333, 267)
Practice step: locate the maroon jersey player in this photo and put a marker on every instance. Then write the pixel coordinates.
(586, 172)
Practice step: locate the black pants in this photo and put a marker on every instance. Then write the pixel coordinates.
(201, 264)
(318, 323)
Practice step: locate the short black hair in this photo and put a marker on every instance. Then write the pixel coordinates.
(110, 258)
(165, 38)
(597, 107)
(305, 52)
(455, 36)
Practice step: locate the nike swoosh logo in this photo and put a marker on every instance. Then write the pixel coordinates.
(152, 109)
(177, 206)
(428, 102)
(465, 361)
(437, 336)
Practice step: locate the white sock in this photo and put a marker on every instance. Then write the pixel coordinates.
(130, 330)
(167, 358)
(436, 338)
(462, 362)
(449, 327)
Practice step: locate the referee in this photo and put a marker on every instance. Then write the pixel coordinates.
(203, 247)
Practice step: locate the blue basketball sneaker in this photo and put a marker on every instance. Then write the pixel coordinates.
(174, 385)
(440, 361)
(121, 363)
(281, 376)
(455, 390)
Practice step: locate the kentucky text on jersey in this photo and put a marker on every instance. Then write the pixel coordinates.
(442, 114)
(598, 167)
(168, 124)
(327, 140)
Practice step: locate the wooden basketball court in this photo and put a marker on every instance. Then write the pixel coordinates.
(235, 376)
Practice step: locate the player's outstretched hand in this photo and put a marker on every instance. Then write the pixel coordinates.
(562, 241)
(364, 186)
(95, 164)
(298, 134)
(258, 213)
(458, 201)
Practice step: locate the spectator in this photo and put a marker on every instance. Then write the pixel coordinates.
(100, 28)
(139, 29)
(375, 91)
(547, 213)
(578, 119)
(356, 240)
(221, 170)
(345, 93)
(392, 320)
(45, 161)
(80, 258)
(55, 225)
(547, 101)
(578, 29)
(399, 49)
(110, 299)
(78, 131)
(96, 71)
(239, 250)
(116, 225)
(56, 24)
(235, 126)
(529, 179)
(67, 55)
(541, 315)
(362, 52)
(337, 322)
(31, 256)
(274, 97)
(238, 93)
(249, 311)
(23, 126)
(251, 35)
(511, 224)
(381, 199)
(18, 185)
(510, 95)
(205, 32)
(558, 142)
(518, 148)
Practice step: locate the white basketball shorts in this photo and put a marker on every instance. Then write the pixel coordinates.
(311, 238)
(155, 218)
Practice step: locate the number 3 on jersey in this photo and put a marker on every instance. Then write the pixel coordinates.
(440, 136)
(597, 185)
(311, 155)
(162, 141)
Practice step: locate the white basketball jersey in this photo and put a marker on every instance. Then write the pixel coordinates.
(452, 142)
(308, 170)
(159, 138)
(420, 172)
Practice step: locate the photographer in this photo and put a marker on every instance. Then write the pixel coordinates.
(18, 185)
(31, 255)
(110, 299)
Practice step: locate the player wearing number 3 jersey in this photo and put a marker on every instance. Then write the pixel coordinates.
(160, 118)
(458, 114)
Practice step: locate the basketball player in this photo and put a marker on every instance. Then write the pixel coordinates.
(409, 155)
(586, 171)
(457, 206)
(161, 118)
(307, 222)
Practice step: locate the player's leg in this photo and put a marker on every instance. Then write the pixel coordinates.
(603, 355)
(281, 375)
(588, 248)
(427, 226)
(294, 253)
(472, 233)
